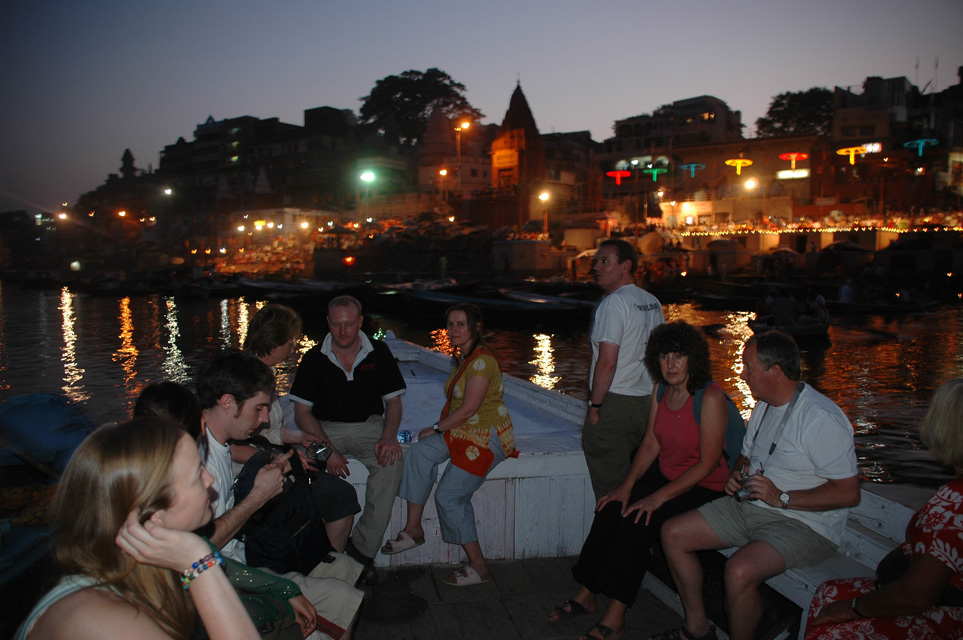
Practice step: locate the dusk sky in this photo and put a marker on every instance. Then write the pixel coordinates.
(82, 81)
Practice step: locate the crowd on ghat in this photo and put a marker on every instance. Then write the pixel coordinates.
(145, 550)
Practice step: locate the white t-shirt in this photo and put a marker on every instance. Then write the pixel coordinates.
(218, 464)
(626, 317)
(816, 445)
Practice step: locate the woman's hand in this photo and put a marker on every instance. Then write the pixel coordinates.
(646, 505)
(833, 612)
(152, 544)
(305, 614)
(424, 433)
(619, 494)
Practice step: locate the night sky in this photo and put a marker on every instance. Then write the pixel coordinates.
(82, 81)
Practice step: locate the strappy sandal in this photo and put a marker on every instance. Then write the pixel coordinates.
(575, 610)
(604, 633)
(681, 633)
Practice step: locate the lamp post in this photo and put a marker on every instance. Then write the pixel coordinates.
(444, 190)
(543, 196)
(367, 177)
(462, 126)
(751, 184)
(635, 168)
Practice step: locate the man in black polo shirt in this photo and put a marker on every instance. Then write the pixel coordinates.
(347, 393)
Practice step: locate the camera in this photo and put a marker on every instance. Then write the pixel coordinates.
(741, 494)
(319, 451)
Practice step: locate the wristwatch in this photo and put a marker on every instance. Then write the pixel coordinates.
(594, 405)
(784, 499)
(435, 428)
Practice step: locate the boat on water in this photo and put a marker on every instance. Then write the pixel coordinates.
(38, 434)
(523, 296)
(433, 302)
(798, 331)
(879, 308)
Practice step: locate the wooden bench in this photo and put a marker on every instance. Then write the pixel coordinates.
(874, 528)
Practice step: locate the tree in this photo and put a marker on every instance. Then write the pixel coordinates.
(403, 103)
(798, 113)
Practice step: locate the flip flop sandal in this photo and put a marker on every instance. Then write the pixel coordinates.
(403, 542)
(575, 610)
(465, 577)
(603, 633)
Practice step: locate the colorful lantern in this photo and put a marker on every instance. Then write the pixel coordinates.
(739, 163)
(655, 171)
(792, 156)
(618, 175)
(693, 167)
(851, 152)
(920, 143)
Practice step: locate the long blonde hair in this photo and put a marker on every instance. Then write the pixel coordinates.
(942, 427)
(117, 469)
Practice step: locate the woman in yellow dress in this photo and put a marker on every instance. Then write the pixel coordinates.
(475, 433)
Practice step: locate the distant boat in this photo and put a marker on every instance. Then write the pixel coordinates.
(438, 301)
(536, 298)
(798, 331)
(878, 308)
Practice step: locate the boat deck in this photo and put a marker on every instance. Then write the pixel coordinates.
(514, 605)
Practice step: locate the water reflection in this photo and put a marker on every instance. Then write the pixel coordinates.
(881, 371)
(174, 364)
(73, 374)
(544, 362)
(440, 341)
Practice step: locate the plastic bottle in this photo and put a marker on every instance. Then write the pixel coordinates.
(405, 436)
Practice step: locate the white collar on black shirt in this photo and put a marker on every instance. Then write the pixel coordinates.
(366, 348)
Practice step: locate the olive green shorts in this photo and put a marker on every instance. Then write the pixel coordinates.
(739, 523)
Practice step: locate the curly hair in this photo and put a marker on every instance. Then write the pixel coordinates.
(682, 338)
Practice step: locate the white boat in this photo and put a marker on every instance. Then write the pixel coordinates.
(542, 505)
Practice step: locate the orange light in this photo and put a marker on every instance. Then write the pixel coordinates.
(348, 260)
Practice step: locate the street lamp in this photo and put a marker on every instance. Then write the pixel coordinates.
(751, 184)
(462, 126)
(543, 196)
(444, 190)
(368, 177)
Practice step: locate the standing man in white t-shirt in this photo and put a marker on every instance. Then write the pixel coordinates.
(620, 387)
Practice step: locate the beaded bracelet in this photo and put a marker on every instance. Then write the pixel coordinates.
(199, 567)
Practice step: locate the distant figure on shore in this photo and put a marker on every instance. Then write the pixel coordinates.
(678, 467)
(789, 494)
(474, 432)
(918, 589)
(620, 387)
(847, 293)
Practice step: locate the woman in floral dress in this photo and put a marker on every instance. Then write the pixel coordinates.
(923, 598)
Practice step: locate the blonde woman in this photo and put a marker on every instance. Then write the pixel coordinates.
(123, 514)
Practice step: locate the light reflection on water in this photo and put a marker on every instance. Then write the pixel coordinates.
(101, 352)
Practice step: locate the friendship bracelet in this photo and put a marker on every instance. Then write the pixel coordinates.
(199, 567)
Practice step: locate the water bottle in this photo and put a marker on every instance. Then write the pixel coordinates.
(405, 436)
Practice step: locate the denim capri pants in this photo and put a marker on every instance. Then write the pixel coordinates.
(455, 488)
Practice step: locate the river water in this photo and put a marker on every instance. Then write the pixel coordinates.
(101, 352)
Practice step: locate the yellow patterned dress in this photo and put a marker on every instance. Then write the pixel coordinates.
(468, 442)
